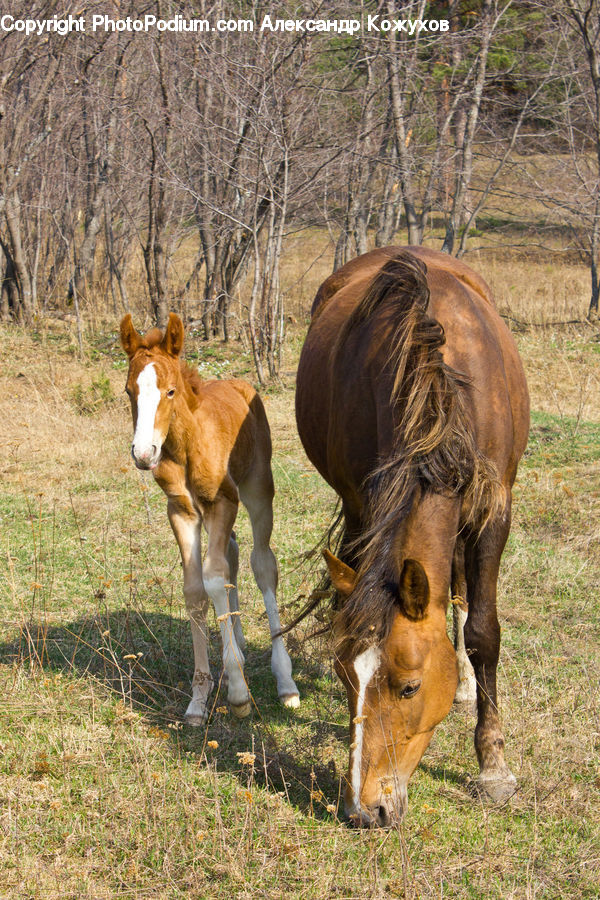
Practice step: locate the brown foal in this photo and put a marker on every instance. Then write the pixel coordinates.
(208, 445)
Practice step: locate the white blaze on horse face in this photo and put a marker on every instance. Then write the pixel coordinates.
(147, 403)
(365, 666)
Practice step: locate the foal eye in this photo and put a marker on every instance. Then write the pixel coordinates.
(410, 689)
(171, 393)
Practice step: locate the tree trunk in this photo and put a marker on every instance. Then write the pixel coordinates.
(465, 126)
(12, 214)
(594, 254)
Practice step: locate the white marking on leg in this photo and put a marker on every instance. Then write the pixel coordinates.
(281, 664)
(233, 555)
(187, 532)
(365, 666)
(264, 567)
(233, 658)
(466, 691)
(202, 684)
(147, 404)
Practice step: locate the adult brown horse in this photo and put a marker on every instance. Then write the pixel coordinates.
(412, 403)
(208, 445)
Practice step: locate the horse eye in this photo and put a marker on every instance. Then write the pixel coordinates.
(171, 393)
(410, 689)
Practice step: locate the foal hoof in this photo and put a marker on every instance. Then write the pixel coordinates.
(195, 720)
(495, 788)
(242, 710)
(196, 714)
(292, 701)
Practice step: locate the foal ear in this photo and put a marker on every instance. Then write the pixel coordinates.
(343, 578)
(414, 589)
(172, 342)
(130, 339)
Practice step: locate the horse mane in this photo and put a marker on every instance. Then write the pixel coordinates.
(434, 447)
(191, 378)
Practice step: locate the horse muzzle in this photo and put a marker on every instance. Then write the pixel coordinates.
(387, 812)
(146, 458)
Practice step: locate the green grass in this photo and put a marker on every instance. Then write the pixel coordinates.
(561, 441)
(103, 793)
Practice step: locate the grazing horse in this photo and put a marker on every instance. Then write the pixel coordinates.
(208, 445)
(412, 403)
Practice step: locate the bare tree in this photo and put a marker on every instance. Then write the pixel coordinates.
(26, 121)
(99, 116)
(584, 19)
(567, 182)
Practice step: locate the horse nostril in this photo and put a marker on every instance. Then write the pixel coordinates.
(154, 449)
(383, 817)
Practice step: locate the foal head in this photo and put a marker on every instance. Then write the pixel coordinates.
(398, 690)
(153, 380)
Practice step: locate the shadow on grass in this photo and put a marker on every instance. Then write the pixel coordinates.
(145, 661)
(445, 775)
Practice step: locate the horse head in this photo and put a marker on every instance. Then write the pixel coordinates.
(153, 381)
(399, 688)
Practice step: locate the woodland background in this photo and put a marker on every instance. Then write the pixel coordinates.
(165, 171)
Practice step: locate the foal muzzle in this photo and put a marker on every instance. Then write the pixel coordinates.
(146, 459)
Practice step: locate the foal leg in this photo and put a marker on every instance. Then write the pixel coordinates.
(466, 692)
(186, 525)
(218, 519)
(482, 637)
(257, 496)
(233, 558)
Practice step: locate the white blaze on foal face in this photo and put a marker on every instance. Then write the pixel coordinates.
(365, 666)
(146, 440)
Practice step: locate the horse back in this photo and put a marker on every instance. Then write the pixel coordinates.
(367, 265)
(232, 421)
(343, 400)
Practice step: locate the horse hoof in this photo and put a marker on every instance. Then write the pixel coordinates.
(196, 713)
(195, 719)
(292, 701)
(242, 710)
(495, 788)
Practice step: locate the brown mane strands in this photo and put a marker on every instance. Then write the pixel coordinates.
(192, 379)
(434, 448)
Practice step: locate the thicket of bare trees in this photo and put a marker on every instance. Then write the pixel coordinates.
(570, 186)
(116, 149)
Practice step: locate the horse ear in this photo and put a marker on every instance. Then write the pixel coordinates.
(172, 342)
(130, 339)
(414, 589)
(342, 576)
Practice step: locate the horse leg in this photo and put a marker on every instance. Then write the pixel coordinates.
(186, 525)
(482, 638)
(466, 692)
(218, 520)
(233, 558)
(257, 496)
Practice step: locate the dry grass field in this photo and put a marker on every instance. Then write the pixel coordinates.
(103, 792)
